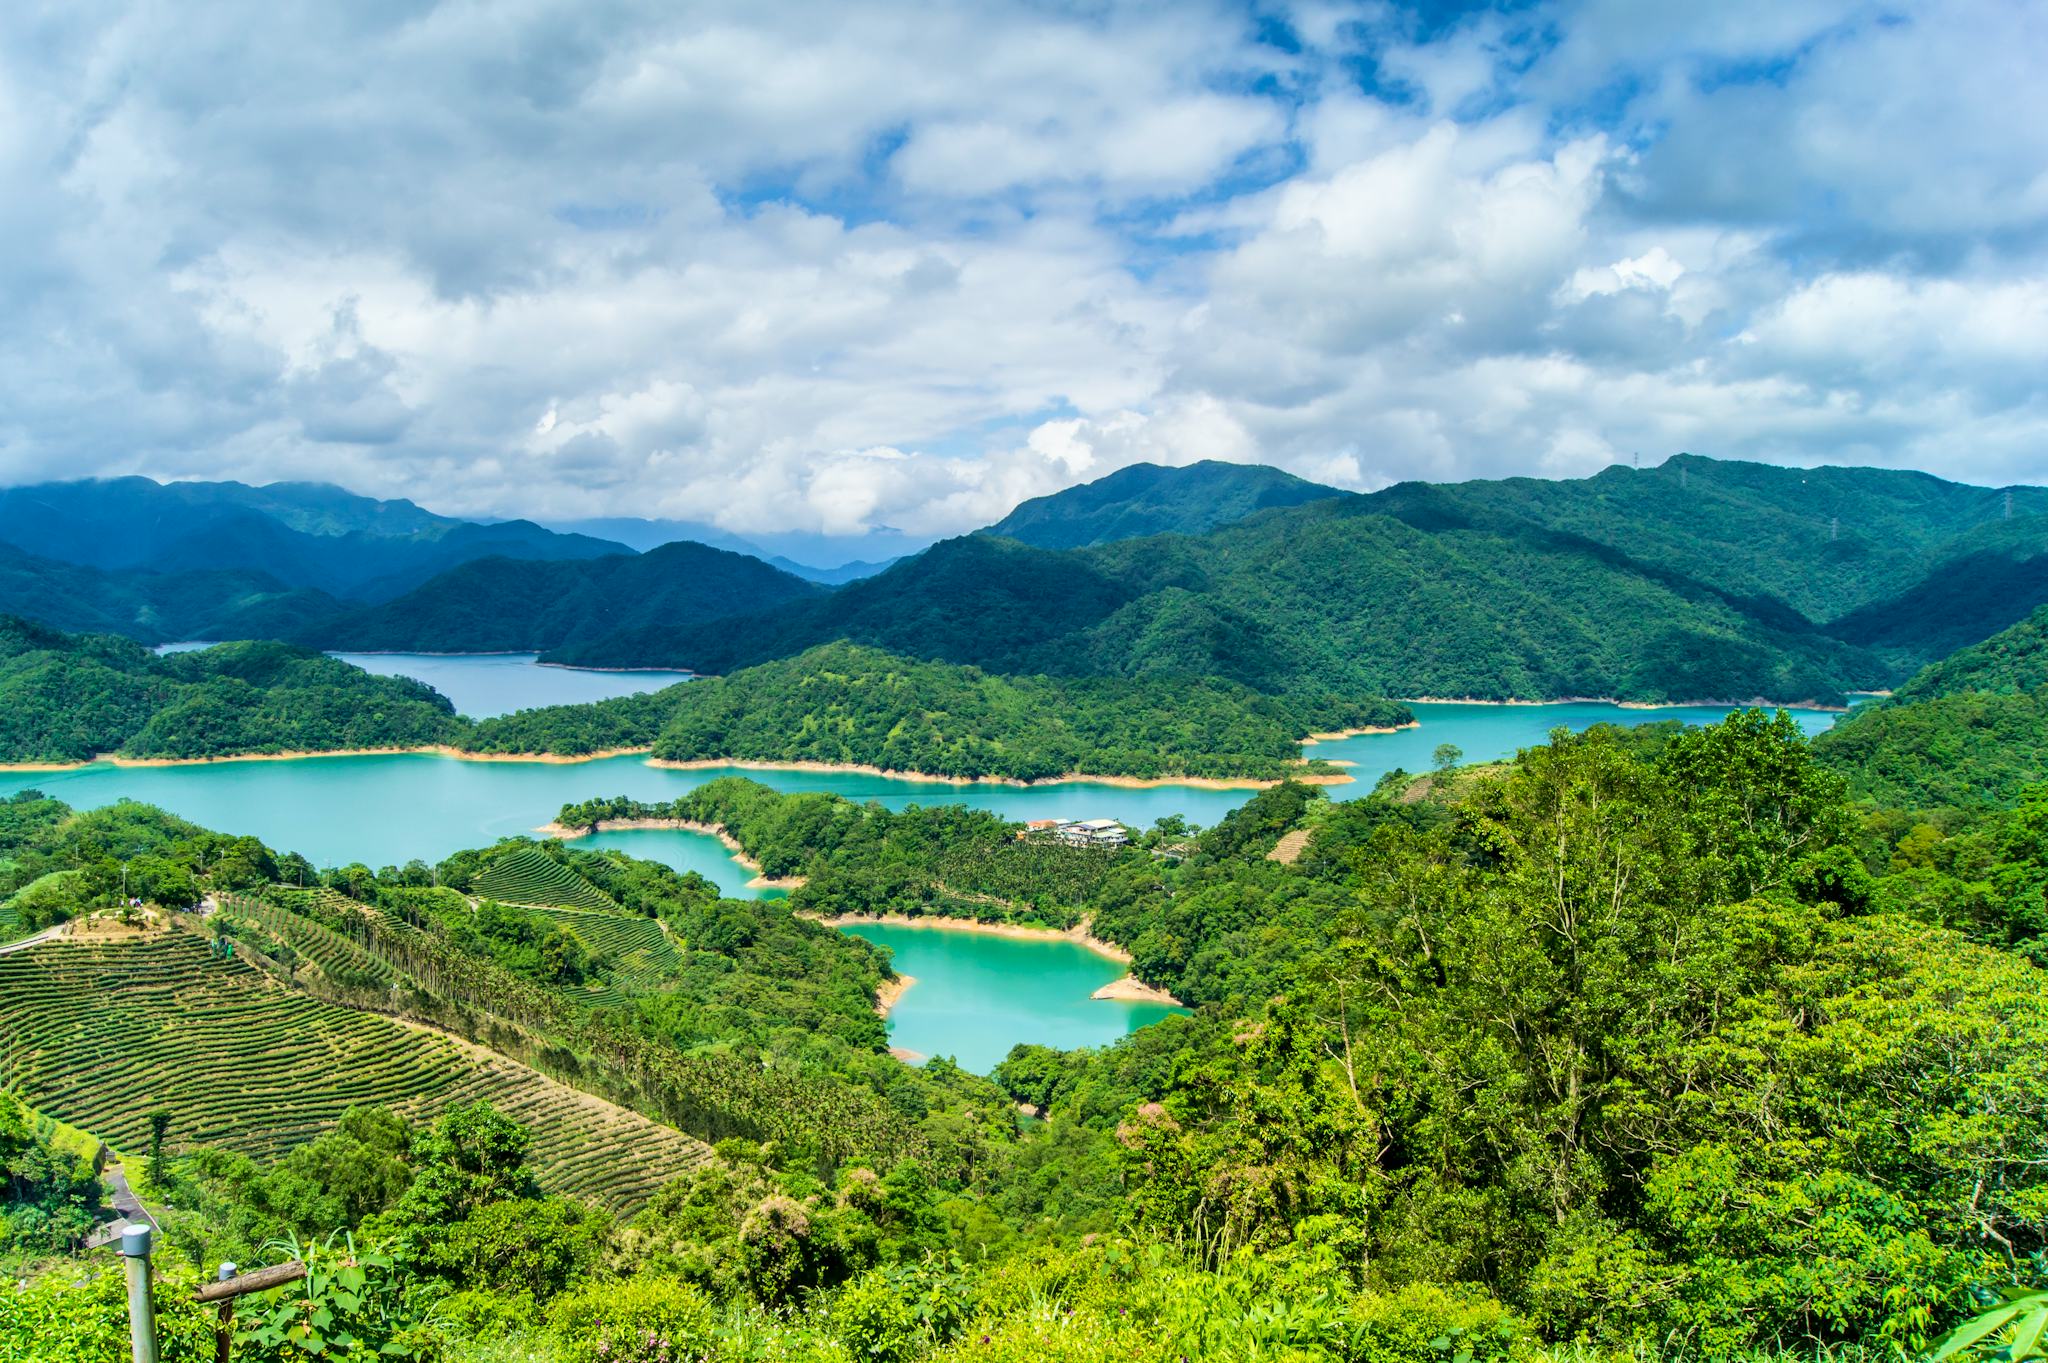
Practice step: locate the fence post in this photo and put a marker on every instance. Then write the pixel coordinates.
(224, 1329)
(141, 1307)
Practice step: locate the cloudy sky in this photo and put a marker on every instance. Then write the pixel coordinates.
(831, 266)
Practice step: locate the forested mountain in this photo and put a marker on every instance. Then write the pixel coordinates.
(68, 698)
(302, 534)
(156, 607)
(1964, 600)
(1325, 596)
(1824, 541)
(1148, 499)
(499, 605)
(1968, 731)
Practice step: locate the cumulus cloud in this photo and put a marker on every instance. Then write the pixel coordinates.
(837, 267)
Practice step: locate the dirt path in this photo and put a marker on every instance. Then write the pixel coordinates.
(1290, 847)
(46, 935)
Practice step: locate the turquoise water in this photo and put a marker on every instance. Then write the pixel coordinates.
(484, 685)
(978, 994)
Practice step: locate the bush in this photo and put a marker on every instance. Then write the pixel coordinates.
(82, 1317)
(633, 1319)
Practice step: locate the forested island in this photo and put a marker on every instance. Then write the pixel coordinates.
(71, 698)
(847, 705)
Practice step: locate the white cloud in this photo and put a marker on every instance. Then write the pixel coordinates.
(833, 267)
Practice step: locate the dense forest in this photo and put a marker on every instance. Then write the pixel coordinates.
(70, 698)
(1324, 595)
(840, 703)
(1146, 499)
(1969, 730)
(502, 605)
(1650, 1043)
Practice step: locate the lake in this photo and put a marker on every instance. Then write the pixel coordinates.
(486, 685)
(978, 994)
(386, 810)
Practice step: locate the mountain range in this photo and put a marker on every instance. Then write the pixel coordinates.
(1696, 579)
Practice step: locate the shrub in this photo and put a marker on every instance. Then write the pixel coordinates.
(633, 1320)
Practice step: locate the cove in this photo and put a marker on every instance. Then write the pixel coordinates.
(387, 809)
(486, 685)
(978, 994)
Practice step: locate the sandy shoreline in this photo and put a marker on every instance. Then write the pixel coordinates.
(437, 750)
(889, 992)
(1336, 734)
(1755, 701)
(1070, 778)
(727, 840)
(1131, 989)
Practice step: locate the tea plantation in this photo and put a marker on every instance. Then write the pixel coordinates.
(530, 877)
(100, 1034)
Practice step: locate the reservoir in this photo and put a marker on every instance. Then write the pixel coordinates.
(978, 994)
(486, 685)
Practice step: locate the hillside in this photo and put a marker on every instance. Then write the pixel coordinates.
(846, 704)
(244, 1064)
(1324, 596)
(69, 698)
(1825, 541)
(1971, 730)
(309, 535)
(1148, 499)
(156, 607)
(1961, 602)
(502, 605)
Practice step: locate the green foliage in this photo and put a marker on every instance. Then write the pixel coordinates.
(1359, 596)
(638, 1320)
(503, 605)
(69, 698)
(1146, 499)
(350, 1304)
(2010, 1332)
(849, 705)
(78, 1313)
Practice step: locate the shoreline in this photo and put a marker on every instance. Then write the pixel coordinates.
(301, 755)
(1754, 702)
(1125, 989)
(890, 992)
(551, 829)
(1337, 734)
(1070, 778)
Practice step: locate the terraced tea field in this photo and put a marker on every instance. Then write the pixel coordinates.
(10, 925)
(643, 957)
(100, 1034)
(339, 957)
(526, 876)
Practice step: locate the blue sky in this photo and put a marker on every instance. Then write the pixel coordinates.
(829, 267)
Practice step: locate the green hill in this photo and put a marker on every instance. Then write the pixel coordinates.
(525, 875)
(1324, 596)
(843, 703)
(501, 605)
(309, 535)
(68, 698)
(156, 607)
(1825, 541)
(242, 1063)
(1970, 730)
(1146, 499)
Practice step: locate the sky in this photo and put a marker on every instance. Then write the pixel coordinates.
(834, 267)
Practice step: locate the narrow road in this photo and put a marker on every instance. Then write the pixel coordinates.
(46, 935)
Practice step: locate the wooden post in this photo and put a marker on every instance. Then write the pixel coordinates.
(224, 1325)
(232, 1285)
(141, 1306)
